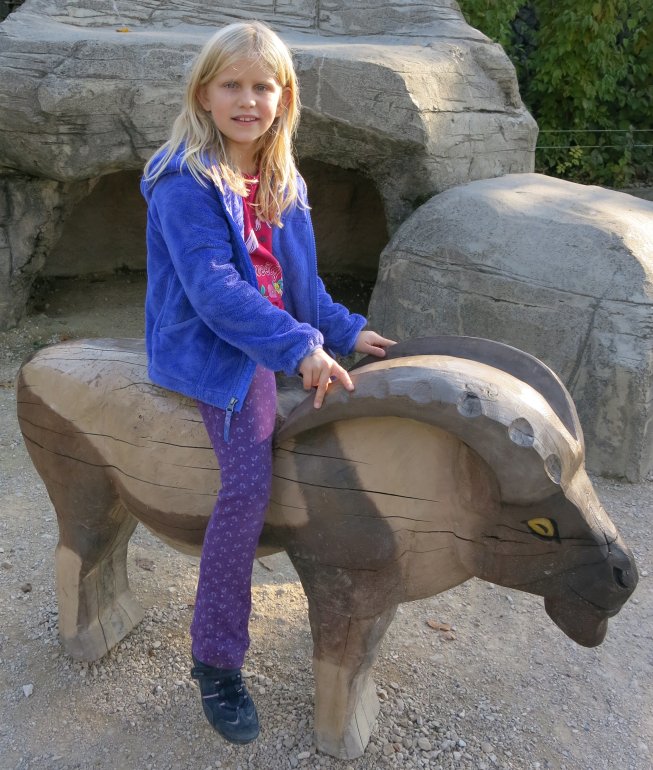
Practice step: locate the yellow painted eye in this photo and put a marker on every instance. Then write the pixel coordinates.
(543, 527)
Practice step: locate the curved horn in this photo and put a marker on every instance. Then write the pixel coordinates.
(521, 365)
(509, 423)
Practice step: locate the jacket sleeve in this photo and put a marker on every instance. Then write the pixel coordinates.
(202, 247)
(339, 327)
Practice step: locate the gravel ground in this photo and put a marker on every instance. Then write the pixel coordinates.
(503, 688)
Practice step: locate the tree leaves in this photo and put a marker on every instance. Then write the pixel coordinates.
(585, 70)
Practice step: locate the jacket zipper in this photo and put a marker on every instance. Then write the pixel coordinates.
(251, 279)
(228, 415)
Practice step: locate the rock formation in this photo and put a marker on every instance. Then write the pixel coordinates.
(558, 269)
(404, 95)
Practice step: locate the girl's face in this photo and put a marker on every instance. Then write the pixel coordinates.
(244, 100)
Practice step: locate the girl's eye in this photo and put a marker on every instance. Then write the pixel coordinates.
(262, 87)
(230, 84)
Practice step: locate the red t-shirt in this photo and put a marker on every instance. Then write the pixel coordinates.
(258, 239)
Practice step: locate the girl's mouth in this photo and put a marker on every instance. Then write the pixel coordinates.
(245, 119)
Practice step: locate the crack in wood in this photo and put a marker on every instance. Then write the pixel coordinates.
(353, 489)
(109, 466)
(45, 428)
(347, 460)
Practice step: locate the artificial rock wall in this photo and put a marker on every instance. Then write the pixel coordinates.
(403, 98)
(561, 270)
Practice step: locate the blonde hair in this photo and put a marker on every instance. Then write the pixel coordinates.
(204, 150)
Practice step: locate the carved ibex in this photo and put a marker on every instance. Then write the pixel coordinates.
(453, 458)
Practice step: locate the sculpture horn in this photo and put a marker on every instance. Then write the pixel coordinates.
(506, 405)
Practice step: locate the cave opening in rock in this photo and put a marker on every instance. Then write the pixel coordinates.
(105, 232)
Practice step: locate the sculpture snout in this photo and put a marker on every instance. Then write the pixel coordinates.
(606, 586)
(625, 579)
(594, 595)
(623, 570)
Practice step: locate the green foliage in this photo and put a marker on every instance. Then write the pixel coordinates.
(585, 70)
(7, 6)
(493, 17)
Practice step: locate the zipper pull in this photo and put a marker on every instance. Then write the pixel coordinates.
(228, 415)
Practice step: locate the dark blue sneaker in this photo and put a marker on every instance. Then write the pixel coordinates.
(227, 704)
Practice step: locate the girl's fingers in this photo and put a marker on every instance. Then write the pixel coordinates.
(374, 351)
(322, 385)
(334, 372)
(318, 370)
(383, 342)
(372, 348)
(372, 343)
(343, 375)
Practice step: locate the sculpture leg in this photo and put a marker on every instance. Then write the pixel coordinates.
(96, 607)
(346, 704)
(345, 646)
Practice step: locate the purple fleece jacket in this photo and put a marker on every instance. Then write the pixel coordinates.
(206, 324)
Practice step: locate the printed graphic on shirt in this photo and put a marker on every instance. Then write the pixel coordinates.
(268, 270)
(251, 242)
(258, 239)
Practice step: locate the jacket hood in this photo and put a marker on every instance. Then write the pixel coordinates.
(174, 165)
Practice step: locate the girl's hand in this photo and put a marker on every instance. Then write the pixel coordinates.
(318, 369)
(372, 343)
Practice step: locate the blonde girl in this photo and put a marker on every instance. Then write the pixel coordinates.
(233, 295)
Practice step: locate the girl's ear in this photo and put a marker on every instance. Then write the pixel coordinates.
(202, 98)
(284, 101)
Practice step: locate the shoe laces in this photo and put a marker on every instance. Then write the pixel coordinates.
(228, 687)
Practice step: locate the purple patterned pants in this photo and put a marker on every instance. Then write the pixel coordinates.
(224, 596)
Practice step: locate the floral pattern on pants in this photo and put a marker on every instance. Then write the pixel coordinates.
(220, 623)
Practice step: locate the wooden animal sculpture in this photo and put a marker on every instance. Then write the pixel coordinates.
(453, 457)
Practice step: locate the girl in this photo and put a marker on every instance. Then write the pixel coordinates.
(233, 295)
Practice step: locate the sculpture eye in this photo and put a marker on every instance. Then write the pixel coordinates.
(545, 528)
